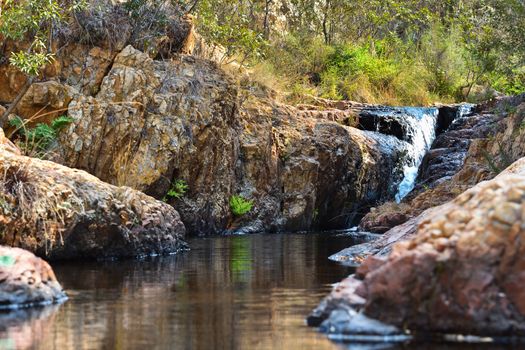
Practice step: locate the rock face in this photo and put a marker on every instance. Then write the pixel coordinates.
(57, 212)
(26, 280)
(148, 119)
(461, 273)
(155, 122)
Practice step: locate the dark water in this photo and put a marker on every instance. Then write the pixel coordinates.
(238, 292)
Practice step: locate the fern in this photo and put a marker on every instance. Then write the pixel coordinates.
(61, 122)
(178, 189)
(41, 136)
(240, 206)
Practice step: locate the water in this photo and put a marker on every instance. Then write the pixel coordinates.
(237, 292)
(422, 122)
(414, 127)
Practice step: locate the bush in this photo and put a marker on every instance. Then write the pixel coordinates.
(178, 189)
(36, 141)
(240, 206)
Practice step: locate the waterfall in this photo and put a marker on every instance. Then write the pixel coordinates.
(422, 132)
(416, 126)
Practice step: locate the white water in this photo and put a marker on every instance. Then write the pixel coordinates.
(422, 127)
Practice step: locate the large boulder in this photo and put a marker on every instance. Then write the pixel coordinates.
(155, 122)
(58, 212)
(462, 272)
(26, 280)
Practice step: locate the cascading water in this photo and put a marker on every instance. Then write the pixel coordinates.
(422, 126)
(415, 126)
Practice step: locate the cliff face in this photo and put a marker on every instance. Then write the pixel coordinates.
(145, 122)
(154, 122)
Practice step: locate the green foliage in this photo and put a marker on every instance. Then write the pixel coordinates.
(177, 190)
(240, 205)
(231, 30)
(7, 261)
(393, 51)
(37, 140)
(33, 20)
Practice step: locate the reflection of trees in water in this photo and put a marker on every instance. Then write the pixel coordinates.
(230, 292)
(25, 328)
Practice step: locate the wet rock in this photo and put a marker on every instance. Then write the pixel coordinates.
(57, 212)
(26, 280)
(457, 161)
(380, 221)
(460, 273)
(400, 122)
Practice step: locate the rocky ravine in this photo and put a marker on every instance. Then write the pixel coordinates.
(461, 273)
(475, 148)
(154, 122)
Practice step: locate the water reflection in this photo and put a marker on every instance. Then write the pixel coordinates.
(23, 329)
(238, 292)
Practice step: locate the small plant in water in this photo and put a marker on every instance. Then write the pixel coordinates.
(240, 205)
(177, 190)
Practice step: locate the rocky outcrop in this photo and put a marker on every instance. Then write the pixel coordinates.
(461, 273)
(155, 122)
(57, 212)
(26, 280)
(475, 147)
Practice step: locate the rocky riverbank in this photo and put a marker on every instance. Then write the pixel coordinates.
(455, 268)
(58, 212)
(145, 122)
(460, 274)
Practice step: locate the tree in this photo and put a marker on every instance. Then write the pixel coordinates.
(32, 22)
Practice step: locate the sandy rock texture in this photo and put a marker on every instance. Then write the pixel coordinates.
(26, 280)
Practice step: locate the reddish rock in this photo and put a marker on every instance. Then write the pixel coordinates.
(26, 280)
(462, 272)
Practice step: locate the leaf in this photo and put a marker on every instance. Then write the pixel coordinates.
(7, 261)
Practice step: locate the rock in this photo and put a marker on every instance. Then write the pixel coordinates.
(461, 272)
(26, 280)
(7, 146)
(57, 212)
(48, 99)
(380, 221)
(401, 122)
(156, 122)
(459, 158)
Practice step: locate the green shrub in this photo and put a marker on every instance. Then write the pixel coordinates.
(240, 206)
(37, 140)
(177, 190)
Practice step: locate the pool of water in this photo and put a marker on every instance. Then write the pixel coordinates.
(236, 292)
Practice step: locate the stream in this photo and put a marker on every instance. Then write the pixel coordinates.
(234, 292)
